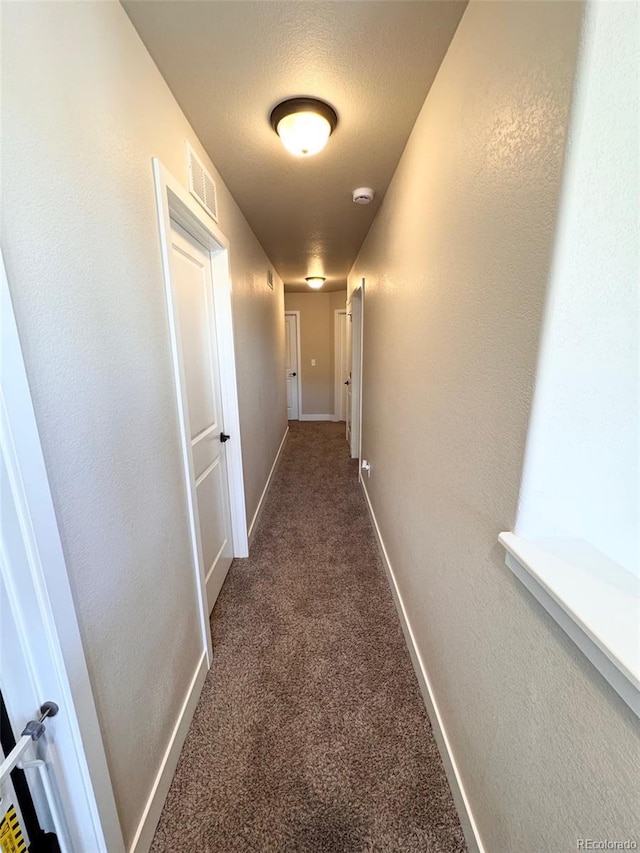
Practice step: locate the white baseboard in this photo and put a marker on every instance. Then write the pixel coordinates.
(471, 834)
(151, 814)
(317, 417)
(256, 515)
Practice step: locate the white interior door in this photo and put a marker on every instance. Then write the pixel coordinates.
(291, 367)
(192, 288)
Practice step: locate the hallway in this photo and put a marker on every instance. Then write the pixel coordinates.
(310, 733)
(215, 215)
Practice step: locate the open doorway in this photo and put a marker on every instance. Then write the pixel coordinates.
(342, 366)
(310, 347)
(292, 364)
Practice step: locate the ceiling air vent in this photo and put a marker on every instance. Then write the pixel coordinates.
(201, 184)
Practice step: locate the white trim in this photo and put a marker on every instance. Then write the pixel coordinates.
(467, 821)
(594, 600)
(256, 515)
(230, 405)
(357, 360)
(317, 417)
(299, 359)
(164, 223)
(361, 371)
(64, 673)
(174, 204)
(337, 378)
(153, 809)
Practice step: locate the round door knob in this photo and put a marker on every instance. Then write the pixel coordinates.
(294, 374)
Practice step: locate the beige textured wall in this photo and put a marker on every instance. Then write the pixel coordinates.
(338, 300)
(316, 341)
(456, 266)
(84, 111)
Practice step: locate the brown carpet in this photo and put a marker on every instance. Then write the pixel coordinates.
(310, 735)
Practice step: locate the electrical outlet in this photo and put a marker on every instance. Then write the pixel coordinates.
(313, 362)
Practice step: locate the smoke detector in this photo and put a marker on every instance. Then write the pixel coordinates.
(363, 195)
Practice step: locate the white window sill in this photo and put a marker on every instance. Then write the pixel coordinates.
(596, 601)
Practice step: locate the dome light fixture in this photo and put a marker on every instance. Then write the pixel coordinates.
(304, 124)
(315, 281)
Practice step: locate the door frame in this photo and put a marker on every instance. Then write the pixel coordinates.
(174, 203)
(337, 379)
(52, 646)
(299, 356)
(355, 307)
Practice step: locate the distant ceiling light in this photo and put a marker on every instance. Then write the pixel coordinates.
(304, 125)
(315, 281)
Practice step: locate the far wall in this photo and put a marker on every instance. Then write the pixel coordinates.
(316, 342)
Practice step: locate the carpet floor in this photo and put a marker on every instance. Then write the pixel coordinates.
(310, 735)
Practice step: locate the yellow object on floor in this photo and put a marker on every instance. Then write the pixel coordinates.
(11, 837)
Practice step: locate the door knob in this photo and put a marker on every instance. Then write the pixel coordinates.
(348, 382)
(224, 437)
(294, 374)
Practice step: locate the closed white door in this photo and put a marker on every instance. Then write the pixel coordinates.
(291, 366)
(192, 288)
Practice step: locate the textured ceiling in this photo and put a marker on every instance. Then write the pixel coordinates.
(229, 61)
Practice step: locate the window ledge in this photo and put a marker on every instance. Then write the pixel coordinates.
(593, 599)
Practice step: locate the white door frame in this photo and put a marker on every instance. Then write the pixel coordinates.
(298, 348)
(338, 380)
(44, 606)
(355, 307)
(174, 203)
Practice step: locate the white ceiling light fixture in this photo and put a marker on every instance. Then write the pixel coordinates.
(315, 281)
(304, 125)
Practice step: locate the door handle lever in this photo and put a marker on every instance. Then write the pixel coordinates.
(224, 437)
